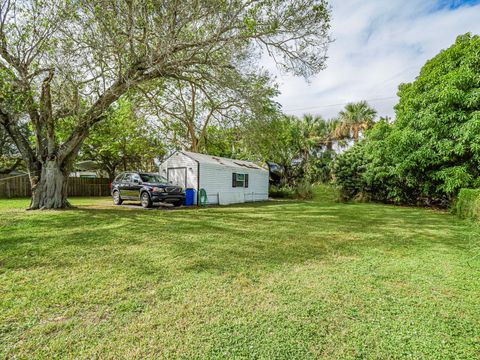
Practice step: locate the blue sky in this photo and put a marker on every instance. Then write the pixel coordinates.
(453, 4)
(378, 44)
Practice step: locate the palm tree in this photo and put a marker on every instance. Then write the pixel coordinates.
(355, 118)
(329, 133)
(309, 127)
(316, 134)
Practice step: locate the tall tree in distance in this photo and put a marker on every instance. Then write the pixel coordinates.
(185, 109)
(71, 60)
(355, 118)
(319, 133)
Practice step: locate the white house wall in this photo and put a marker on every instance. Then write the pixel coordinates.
(217, 181)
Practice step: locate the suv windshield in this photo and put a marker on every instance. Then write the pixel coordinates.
(153, 178)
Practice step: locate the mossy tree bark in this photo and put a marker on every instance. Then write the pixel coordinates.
(49, 191)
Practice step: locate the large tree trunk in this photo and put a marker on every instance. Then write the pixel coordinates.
(49, 190)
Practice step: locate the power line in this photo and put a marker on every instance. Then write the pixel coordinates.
(397, 75)
(338, 104)
(374, 99)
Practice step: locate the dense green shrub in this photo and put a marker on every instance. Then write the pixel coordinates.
(467, 205)
(318, 169)
(281, 192)
(326, 193)
(302, 191)
(349, 170)
(437, 129)
(432, 150)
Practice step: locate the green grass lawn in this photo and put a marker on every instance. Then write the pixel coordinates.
(268, 280)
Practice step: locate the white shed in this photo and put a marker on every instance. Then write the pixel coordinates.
(226, 181)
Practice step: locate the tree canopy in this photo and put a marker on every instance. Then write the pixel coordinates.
(354, 119)
(10, 159)
(302, 147)
(183, 110)
(124, 140)
(433, 148)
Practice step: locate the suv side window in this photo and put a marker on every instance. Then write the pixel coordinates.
(127, 178)
(119, 178)
(136, 177)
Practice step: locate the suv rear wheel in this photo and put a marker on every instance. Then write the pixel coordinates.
(145, 200)
(117, 200)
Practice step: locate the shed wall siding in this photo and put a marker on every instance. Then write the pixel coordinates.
(217, 180)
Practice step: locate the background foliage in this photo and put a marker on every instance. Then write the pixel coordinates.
(123, 141)
(433, 148)
(467, 205)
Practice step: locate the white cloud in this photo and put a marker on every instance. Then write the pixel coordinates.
(378, 45)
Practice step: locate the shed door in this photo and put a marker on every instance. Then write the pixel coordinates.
(177, 176)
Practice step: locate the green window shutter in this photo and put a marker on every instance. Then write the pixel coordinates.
(234, 180)
(246, 180)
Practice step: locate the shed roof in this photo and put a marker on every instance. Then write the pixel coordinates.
(217, 160)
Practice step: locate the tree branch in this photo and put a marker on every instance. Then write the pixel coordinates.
(46, 116)
(18, 138)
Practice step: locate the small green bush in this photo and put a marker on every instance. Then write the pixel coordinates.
(467, 205)
(302, 191)
(281, 192)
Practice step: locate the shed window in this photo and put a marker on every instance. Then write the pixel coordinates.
(239, 180)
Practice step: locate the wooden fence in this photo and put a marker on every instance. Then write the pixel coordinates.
(19, 186)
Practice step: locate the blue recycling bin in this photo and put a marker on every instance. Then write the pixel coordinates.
(189, 197)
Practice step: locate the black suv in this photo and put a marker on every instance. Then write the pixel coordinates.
(148, 188)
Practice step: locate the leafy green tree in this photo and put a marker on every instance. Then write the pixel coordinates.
(10, 159)
(349, 169)
(355, 118)
(437, 128)
(433, 148)
(367, 170)
(316, 142)
(71, 60)
(319, 167)
(277, 139)
(224, 142)
(186, 109)
(124, 140)
(310, 136)
(301, 146)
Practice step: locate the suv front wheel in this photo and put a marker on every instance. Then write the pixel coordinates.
(145, 200)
